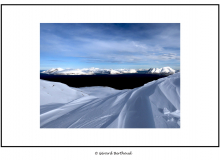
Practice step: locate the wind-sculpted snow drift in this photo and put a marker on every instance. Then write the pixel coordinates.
(154, 105)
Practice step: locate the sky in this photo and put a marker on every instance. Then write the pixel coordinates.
(109, 46)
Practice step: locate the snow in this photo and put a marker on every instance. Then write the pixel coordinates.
(87, 71)
(164, 70)
(154, 105)
(91, 71)
(98, 91)
(52, 70)
(133, 71)
(114, 72)
(73, 72)
(54, 92)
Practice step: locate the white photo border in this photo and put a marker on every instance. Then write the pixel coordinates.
(21, 64)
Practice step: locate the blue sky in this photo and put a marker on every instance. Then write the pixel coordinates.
(108, 45)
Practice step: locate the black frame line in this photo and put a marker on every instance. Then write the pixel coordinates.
(112, 5)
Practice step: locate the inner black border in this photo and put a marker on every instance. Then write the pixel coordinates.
(111, 5)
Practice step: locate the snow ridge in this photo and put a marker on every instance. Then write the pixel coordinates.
(154, 105)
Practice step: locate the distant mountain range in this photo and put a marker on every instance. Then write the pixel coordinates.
(164, 70)
(93, 71)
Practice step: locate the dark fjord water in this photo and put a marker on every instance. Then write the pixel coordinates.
(121, 81)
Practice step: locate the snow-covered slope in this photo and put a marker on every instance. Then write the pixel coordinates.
(154, 105)
(164, 70)
(98, 91)
(54, 92)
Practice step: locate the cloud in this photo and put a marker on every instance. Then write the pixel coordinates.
(57, 60)
(112, 43)
(170, 56)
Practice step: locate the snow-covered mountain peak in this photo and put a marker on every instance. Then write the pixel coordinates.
(164, 70)
(52, 70)
(93, 70)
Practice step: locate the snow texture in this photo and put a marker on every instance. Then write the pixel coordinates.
(154, 105)
(54, 92)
